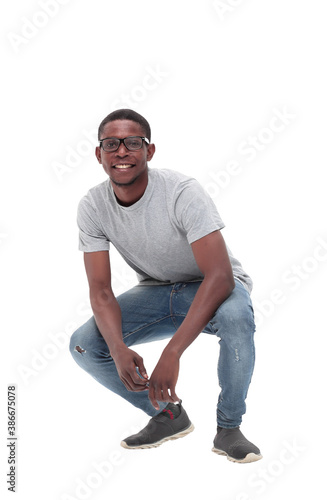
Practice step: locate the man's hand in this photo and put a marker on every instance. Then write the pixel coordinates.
(164, 379)
(126, 362)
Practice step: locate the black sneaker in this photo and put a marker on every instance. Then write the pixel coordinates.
(232, 443)
(160, 429)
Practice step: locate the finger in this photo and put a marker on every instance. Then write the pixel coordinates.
(152, 397)
(158, 394)
(141, 376)
(133, 385)
(139, 363)
(135, 388)
(166, 396)
(126, 384)
(174, 397)
(137, 381)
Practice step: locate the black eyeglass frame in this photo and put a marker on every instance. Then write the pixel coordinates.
(123, 140)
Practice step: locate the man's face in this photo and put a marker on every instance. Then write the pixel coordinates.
(125, 167)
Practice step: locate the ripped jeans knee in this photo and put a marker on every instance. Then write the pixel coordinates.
(79, 349)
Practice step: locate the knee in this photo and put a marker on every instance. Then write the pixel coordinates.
(237, 317)
(80, 340)
(87, 343)
(75, 341)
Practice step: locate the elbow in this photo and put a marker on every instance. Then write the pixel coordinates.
(227, 284)
(223, 282)
(101, 298)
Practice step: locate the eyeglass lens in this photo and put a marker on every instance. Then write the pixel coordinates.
(131, 143)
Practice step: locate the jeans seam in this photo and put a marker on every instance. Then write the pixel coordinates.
(173, 319)
(172, 316)
(170, 302)
(146, 325)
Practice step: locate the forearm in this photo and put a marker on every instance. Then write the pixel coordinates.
(107, 315)
(108, 318)
(212, 292)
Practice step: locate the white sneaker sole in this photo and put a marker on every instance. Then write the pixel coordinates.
(158, 443)
(250, 457)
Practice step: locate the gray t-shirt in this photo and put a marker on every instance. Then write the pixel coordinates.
(154, 234)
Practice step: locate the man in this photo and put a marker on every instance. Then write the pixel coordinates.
(167, 229)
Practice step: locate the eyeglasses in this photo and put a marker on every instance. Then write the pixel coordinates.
(132, 143)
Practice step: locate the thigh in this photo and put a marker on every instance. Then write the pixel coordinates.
(146, 313)
(146, 317)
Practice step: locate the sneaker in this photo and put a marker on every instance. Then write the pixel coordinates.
(161, 428)
(232, 443)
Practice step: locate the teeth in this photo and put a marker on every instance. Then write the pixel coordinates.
(123, 166)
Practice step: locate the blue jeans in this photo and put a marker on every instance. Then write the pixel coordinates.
(154, 313)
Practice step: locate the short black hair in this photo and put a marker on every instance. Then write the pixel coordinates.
(126, 114)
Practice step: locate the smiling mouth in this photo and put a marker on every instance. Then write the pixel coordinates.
(125, 166)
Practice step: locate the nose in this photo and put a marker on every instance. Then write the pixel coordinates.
(122, 150)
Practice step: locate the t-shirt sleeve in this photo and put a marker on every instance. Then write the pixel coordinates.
(196, 212)
(91, 236)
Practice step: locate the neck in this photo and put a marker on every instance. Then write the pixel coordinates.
(128, 194)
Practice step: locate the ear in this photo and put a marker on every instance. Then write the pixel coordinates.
(98, 153)
(150, 152)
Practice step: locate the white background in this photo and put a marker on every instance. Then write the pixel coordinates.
(221, 74)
